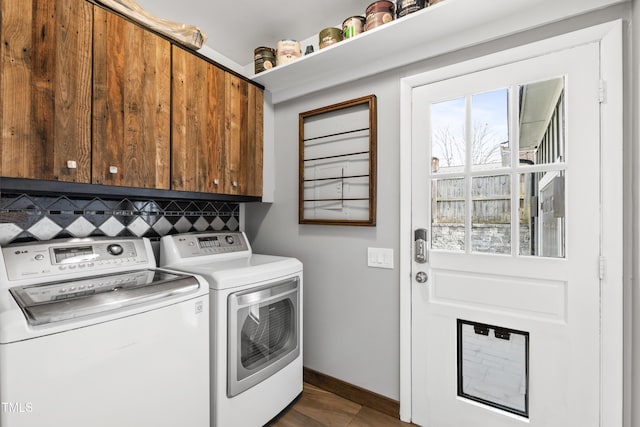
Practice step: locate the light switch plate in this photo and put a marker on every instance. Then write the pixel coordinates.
(380, 257)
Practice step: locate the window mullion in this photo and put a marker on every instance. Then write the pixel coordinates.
(468, 135)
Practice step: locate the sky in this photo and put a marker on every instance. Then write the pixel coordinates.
(489, 108)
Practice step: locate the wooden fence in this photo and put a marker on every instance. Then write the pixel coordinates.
(491, 199)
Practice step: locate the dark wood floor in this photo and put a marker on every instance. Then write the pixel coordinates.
(320, 408)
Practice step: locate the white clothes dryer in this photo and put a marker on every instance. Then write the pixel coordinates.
(256, 323)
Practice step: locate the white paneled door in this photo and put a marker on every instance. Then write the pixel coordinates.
(507, 263)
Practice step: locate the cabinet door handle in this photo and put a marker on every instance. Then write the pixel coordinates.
(235, 183)
(113, 169)
(216, 181)
(72, 164)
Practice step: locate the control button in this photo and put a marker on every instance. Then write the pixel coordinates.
(81, 265)
(62, 267)
(115, 249)
(63, 290)
(39, 257)
(72, 266)
(229, 239)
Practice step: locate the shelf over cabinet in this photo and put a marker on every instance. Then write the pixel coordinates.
(447, 26)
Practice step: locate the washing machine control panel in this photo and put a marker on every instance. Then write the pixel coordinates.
(204, 244)
(53, 258)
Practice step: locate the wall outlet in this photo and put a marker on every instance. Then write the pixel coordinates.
(380, 257)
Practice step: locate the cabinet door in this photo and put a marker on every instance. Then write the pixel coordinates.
(198, 124)
(243, 137)
(216, 129)
(131, 104)
(45, 89)
(236, 132)
(252, 150)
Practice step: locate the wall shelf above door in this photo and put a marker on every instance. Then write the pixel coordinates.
(447, 26)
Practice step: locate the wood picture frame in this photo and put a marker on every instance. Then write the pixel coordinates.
(338, 163)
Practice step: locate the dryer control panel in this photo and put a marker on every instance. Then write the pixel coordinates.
(205, 244)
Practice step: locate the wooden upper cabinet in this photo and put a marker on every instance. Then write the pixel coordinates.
(198, 106)
(252, 149)
(45, 89)
(88, 96)
(131, 104)
(236, 132)
(216, 129)
(243, 137)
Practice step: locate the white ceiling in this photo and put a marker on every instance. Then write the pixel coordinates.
(236, 27)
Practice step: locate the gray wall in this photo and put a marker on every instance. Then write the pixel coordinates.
(351, 311)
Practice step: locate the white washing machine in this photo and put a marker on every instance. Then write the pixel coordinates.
(92, 334)
(256, 324)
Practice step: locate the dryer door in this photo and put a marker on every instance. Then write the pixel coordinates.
(263, 333)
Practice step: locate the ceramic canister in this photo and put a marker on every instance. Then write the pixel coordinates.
(352, 26)
(379, 13)
(288, 51)
(264, 58)
(405, 7)
(329, 36)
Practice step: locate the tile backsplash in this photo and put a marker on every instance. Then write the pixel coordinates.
(26, 217)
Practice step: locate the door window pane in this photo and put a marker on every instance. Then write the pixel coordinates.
(491, 216)
(448, 146)
(448, 214)
(490, 131)
(542, 136)
(542, 214)
(472, 212)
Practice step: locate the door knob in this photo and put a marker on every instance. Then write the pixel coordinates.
(421, 277)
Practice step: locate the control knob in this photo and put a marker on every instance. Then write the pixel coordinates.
(115, 249)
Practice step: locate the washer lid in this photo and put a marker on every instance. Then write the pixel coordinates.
(57, 301)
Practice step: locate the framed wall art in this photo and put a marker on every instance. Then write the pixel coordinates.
(337, 163)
